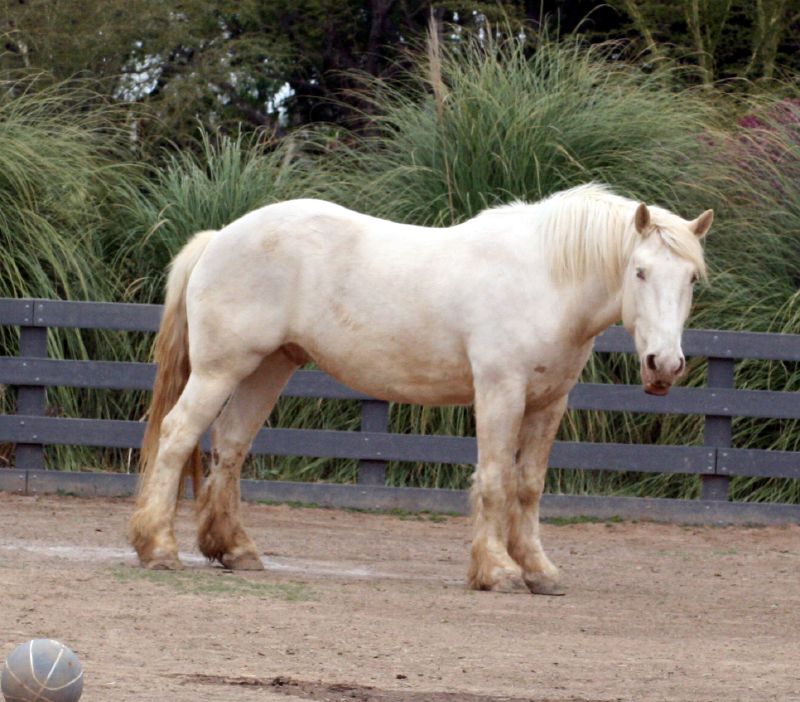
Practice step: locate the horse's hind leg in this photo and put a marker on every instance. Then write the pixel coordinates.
(151, 528)
(221, 535)
(537, 433)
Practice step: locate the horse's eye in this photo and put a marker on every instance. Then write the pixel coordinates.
(640, 273)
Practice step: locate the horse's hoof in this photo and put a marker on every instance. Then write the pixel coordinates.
(501, 580)
(244, 561)
(541, 584)
(163, 563)
(510, 584)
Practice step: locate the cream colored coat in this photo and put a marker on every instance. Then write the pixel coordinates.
(500, 311)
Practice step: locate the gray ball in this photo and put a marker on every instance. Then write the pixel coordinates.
(42, 669)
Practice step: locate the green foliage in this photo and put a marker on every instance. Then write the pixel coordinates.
(183, 60)
(717, 39)
(218, 63)
(492, 121)
(55, 161)
(757, 279)
(60, 156)
(191, 191)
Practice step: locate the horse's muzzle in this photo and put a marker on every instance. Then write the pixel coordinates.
(658, 376)
(657, 388)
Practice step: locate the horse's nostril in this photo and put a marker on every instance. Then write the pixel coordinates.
(681, 365)
(651, 361)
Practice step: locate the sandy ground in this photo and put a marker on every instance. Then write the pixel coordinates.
(372, 607)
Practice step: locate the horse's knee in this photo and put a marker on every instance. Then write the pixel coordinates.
(529, 496)
(488, 490)
(531, 486)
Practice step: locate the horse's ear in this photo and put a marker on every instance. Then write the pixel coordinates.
(641, 219)
(702, 224)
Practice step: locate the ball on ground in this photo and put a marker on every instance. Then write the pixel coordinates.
(43, 670)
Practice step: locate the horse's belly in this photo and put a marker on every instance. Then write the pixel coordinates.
(397, 374)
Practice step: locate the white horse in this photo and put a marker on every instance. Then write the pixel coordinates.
(500, 311)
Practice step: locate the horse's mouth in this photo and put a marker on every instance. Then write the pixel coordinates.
(657, 387)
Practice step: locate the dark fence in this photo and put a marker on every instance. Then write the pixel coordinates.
(716, 462)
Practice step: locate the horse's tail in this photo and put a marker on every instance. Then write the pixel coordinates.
(172, 360)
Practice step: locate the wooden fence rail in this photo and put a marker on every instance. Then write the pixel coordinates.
(716, 462)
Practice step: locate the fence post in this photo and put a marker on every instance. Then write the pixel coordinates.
(717, 433)
(374, 418)
(31, 399)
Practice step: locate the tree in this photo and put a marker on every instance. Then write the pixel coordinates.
(265, 63)
(184, 59)
(275, 64)
(723, 38)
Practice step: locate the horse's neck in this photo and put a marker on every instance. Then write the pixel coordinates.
(595, 307)
(599, 299)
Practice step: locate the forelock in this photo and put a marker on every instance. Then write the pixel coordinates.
(681, 240)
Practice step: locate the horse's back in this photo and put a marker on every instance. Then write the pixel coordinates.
(367, 299)
(398, 311)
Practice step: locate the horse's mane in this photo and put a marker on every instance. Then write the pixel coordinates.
(590, 228)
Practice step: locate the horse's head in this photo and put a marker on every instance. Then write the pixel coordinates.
(657, 290)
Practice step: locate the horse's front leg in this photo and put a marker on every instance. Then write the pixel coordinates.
(499, 406)
(536, 436)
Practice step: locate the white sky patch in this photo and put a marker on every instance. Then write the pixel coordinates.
(141, 80)
(277, 103)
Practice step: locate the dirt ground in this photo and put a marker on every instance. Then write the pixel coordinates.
(367, 607)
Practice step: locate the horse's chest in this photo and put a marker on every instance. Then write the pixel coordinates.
(552, 374)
